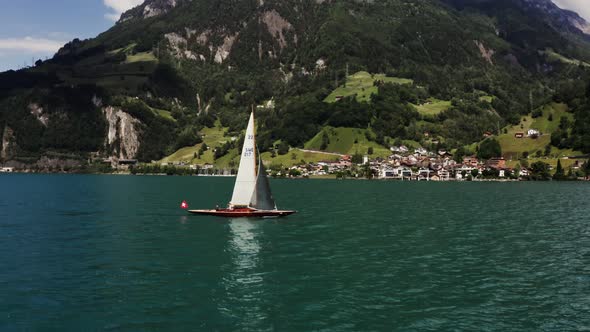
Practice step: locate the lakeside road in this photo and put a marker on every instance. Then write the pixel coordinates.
(322, 152)
(313, 177)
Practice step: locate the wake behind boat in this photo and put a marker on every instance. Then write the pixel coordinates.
(252, 196)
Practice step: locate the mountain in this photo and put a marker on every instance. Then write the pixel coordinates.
(544, 10)
(170, 68)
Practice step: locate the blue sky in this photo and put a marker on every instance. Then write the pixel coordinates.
(35, 29)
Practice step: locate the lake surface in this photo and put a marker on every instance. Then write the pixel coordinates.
(86, 253)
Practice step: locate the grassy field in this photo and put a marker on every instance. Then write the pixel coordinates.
(513, 147)
(141, 57)
(488, 99)
(361, 85)
(213, 137)
(297, 157)
(347, 141)
(554, 111)
(433, 106)
(164, 114)
(128, 73)
(553, 56)
(565, 163)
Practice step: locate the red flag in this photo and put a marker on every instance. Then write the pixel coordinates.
(184, 205)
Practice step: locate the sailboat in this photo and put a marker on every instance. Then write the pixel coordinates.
(251, 196)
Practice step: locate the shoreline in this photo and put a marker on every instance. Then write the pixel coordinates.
(322, 177)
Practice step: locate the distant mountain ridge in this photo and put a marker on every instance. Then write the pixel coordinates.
(150, 8)
(560, 18)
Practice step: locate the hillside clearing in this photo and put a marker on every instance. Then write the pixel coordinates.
(362, 85)
(433, 106)
(514, 148)
(553, 56)
(347, 141)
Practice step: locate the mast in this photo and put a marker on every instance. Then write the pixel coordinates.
(255, 146)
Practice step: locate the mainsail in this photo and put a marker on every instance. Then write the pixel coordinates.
(262, 197)
(246, 179)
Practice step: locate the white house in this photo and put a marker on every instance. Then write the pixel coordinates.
(6, 169)
(421, 151)
(388, 172)
(533, 133)
(424, 173)
(444, 174)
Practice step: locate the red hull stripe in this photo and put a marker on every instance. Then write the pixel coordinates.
(241, 213)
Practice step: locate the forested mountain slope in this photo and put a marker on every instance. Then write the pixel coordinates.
(169, 68)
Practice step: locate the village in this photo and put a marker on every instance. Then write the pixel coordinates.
(418, 164)
(412, 165)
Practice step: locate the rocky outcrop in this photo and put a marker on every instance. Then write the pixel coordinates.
(179, 46)
(224, 50)
(277, 26)
(9, 146)
(487, 54)
(122, 139)
(150, 8)
(581, 24)
(39, 113)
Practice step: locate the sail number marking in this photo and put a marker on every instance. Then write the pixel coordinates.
(248, 152)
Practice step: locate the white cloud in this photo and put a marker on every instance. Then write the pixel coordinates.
(579, 6)
(117, 7)
(30, 45)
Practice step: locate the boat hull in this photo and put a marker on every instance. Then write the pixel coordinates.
(243, 213)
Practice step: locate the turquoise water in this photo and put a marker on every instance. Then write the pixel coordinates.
(86, 253)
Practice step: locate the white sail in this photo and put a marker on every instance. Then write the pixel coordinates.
(246, 179)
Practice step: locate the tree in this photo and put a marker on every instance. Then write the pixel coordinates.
(459, 154)
(188, 137)
(368, 171)
(283, 148)
(357, 158)
(559, 172)
(370, 150)
(540, 171)
(489, 148)
(474, 172)
(202, 150)
(564, 123)
(325, 141)
(586, 168)
(547, 150)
